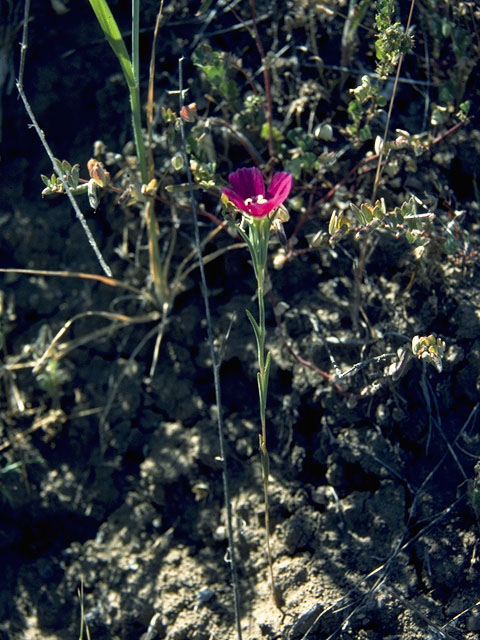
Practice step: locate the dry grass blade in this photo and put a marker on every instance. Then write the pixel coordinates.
(151, 84)
(111, 282)
(114, 317)
(43, 422)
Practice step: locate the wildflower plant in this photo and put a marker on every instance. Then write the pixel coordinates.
(259, 208)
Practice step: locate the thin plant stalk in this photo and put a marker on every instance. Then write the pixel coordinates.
(378, 173)
(83, 621)
(262, 378)
(151, 82)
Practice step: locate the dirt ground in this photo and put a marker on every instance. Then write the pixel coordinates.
(109, 476)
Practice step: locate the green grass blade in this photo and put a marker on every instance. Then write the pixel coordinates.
(135, 41)
(114, 37)
(131, 72)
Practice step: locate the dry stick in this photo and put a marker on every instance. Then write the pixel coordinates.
(119, 317)
(43, 140)
(390, 109)
(151, 83)
(111, 282)
(312, 33)
(215, 366)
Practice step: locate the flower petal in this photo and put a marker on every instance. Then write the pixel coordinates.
(279, 188)
(260, 209)
(248, 183)
(236, 199)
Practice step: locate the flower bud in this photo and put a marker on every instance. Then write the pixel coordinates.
(279, 259)
(188, 112)
(150, 188)
(324, 132)
(98, 173)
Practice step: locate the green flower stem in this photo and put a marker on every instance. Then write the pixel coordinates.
(257, 242)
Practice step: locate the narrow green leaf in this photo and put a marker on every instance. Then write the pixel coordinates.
(75, 175)
(112, 33)
(267, 370)
(244, 235)
(261, 396)
(256, 328)
(358, 214)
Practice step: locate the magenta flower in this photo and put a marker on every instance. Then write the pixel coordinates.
(249, 195)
